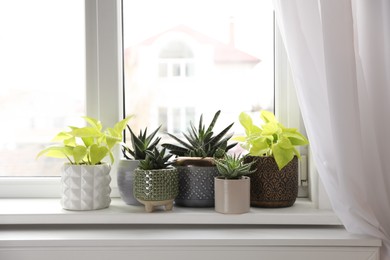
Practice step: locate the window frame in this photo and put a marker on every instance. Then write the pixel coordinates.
(104, 86)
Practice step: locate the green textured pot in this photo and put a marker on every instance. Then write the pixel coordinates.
(271, 187)
(156, 187)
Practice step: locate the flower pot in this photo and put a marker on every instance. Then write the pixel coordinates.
(196, 186)
(85, 187)
(156, 187)
(125, 179)
(271, 187)
(232, 196)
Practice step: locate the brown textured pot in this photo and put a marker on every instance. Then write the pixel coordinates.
(232, 196)
(271, 188)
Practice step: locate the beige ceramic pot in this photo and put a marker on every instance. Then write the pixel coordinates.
(232, 196)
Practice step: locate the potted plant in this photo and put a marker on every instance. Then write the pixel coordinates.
(232, 186)
(85, 178)
(195, 162)
(155, 181)
(140, 144)
(273, 147)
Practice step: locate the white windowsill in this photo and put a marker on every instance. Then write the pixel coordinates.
(49, 211)
(118, 236)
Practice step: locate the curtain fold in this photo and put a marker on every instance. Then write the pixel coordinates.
(339, 52)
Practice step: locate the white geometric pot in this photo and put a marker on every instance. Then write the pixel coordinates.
(85, 187)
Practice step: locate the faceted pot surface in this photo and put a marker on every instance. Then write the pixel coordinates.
(85, 187)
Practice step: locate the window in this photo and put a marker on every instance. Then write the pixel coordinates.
(42, 82)
(176, 59)
(104, 82)
(207, 59)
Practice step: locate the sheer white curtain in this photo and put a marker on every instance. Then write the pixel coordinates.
(339, 52)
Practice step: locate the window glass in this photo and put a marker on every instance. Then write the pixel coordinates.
(42, 82)
(187, 58)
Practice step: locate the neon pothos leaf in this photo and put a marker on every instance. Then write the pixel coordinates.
(121, 125)
(97, 153)
(86, 132)
(94, 123)
(296, 138)
(259, 148)
(271, 129)
(246, 122)
(267, 116)
(283, 152)
(79, 153)
(282, 156)
(62, 136)
(56, 152)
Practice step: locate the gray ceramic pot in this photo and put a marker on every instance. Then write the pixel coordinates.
(196, 186)
(125, 178)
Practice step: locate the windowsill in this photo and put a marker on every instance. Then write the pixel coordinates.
(49, 211)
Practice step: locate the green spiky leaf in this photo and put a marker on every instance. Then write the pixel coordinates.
(200, 142)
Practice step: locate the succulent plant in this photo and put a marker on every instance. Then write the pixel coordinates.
(140, 144)
(202, 142)
(233, 166)
(155, 160)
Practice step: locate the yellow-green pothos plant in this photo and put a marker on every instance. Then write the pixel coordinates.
(270, 138)
(87, 145)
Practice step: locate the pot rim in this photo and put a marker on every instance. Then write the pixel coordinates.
(156, 170)
(194, 161)
(219, 178)
(88, 165)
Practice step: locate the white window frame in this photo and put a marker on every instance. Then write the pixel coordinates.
(104, 83)
(103, 91)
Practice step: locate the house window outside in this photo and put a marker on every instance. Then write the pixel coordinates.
(176, 59)
(175, 119)
(193, 60)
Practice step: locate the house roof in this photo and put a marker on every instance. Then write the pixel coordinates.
(224, 53)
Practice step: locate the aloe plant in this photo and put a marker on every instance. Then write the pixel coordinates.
(270, 138)
(87, 145)
(201, 141)
(155, 160)
(140, 144)
(233, 166)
